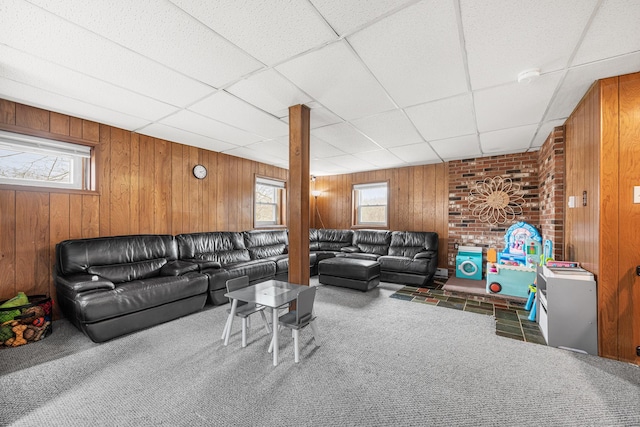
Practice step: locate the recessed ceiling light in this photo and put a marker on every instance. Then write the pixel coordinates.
(527, 76)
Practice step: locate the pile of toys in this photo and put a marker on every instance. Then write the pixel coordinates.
(25, 319)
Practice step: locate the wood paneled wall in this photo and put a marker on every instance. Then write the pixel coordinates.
(144, 185)
(418, 200)
(602, 153)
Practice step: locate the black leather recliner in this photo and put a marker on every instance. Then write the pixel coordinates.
(111, 286)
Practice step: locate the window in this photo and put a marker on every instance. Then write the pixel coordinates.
(269, 202)
(370, 204)
(40, 162)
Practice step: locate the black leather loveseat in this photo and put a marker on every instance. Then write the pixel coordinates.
(111, 286)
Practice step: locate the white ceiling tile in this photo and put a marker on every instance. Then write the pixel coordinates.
(271, 31)
(514, 104)
(345, 137)
(45, 75)
(445, 118)
(544, 132)
(352, 163)
(269, 91)
(320, 149)
(158, 130)
(59, 41)
(389, 129)
(338, 80)
(579, 79)
(613, 32)
(228, 109)
(135, 24)
(415, 53)
(381, 159)
(413, 153)
(321, 167)
(346, 16)
(278, 148)
(193, 122)
(503, 38)
(247, 153)
(511, 140)
(41, 98)
(462, 147)
(320, 117)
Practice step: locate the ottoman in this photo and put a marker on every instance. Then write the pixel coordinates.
(354, 273)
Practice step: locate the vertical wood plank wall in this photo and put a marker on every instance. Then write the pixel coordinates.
(602, 153)
(145, 185)
(418, 200)
(628, 218)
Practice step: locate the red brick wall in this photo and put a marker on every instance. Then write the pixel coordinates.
(464, 229)
(541, 176)
(551, 178)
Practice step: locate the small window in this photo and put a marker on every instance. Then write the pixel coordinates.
(40, 162)
(270, 200)
(370, 203)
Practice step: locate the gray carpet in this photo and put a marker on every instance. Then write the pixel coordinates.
(382, 362)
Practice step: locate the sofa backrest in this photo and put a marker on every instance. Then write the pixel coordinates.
(372, 241)
(225, 247)
(409, 243)
(333, 240)
(266, 243)
(119, 258)
(313, 240)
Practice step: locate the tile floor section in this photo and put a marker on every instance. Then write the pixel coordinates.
(511, 317)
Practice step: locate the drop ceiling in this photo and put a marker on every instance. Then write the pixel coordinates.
(390, 83)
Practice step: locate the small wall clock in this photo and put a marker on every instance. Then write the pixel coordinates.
(199, 171)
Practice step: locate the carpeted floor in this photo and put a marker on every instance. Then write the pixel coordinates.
(381, 362)
(512, 320)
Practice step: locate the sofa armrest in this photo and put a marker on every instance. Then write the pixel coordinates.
(350, 249)
(83, 282)
(425, 255)
(204, 263)
(178, 268)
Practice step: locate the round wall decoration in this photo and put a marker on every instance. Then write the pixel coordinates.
(199, 171)
(496, 200)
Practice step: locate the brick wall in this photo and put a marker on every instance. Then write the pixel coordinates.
(541, 177)
(551, 178)
(464, 229)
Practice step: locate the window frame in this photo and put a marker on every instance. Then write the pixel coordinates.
(81, 154)
(280, 206)
(355, 189)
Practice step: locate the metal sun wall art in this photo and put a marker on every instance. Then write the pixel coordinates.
(496, 200)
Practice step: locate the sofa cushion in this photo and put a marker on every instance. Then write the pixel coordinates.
(257, 270)
(130, 297)
(409, 243)
(313, 240)
(372, 241)
(118, 273)
(225, 247)
(404, 264)
(333, 240)
(76, 256)
(264, 244)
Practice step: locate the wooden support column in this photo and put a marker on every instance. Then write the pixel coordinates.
(298, 194)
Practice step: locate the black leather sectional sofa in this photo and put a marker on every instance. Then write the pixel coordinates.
(112, 286)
